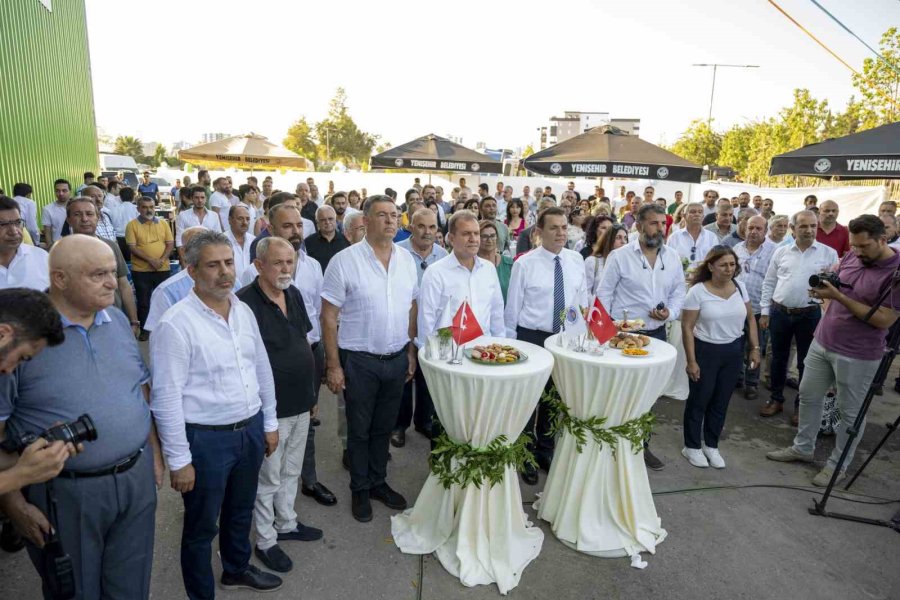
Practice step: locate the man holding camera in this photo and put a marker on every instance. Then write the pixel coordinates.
(847, 347)
(105, 499)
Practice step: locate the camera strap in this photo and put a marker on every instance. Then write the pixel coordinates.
(51, 513)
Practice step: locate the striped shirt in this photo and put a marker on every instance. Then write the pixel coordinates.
(753, 269)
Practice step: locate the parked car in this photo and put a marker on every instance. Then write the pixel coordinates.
(165, 189)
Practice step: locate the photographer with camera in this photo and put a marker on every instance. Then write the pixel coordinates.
(90, 530)
(847, 349)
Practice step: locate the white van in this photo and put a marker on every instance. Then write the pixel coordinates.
(117, 162)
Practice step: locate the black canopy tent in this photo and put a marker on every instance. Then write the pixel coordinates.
(610, 152)
(434, 153)
(870, 154)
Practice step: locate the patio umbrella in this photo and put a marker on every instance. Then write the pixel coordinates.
(870, 154)
(434, 153)
(608, 151)
(245, 151)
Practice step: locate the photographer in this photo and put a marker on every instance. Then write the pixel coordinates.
(846, 349)
(28, 323)
(91, 529)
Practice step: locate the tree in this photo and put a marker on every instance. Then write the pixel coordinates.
(699, 144)
(159, 156)
(879, 82)
(735, 152)
(129, 146)
(300, 139)
(528, 151)
(344, 140)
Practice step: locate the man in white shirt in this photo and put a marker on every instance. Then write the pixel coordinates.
(710, 198)
(785, 306)
(53, 216)
(172, 290)
(125, 213)
(21, 265)
(197, 216)
(237, 234)
(214, 407)
(28, 209)
(222, 200)
(543, 284)
(645, 278)
(528, 200)
(694, 241)
(111, 200)
(373, 286)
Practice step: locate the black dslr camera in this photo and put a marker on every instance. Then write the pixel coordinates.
(818, 280)
(80, 430)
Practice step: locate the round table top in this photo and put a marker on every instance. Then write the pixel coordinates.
(538, 359)
(660, 353)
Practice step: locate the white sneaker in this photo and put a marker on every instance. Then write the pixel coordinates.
(712, 455)
(695, 457)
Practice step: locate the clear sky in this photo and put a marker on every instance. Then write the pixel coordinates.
(485, 70)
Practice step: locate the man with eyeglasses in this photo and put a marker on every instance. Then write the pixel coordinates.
(148, 188)
(325, 242)
(21, 265)
(694, 241)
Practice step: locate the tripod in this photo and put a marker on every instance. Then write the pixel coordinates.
(884, 368)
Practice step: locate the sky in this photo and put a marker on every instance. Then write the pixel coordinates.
(490, 71)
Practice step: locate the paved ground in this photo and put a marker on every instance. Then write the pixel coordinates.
(729, 544)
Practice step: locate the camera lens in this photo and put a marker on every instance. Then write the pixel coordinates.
(815, 281)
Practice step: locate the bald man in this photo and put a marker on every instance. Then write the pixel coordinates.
(830, 232)
(105, 498)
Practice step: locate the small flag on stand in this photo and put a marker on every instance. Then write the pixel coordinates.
(600, 323)
(465, 326)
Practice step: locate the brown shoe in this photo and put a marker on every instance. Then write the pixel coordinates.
(795, 419)
(770, 409)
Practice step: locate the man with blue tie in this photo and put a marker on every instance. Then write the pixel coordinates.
(548, 271)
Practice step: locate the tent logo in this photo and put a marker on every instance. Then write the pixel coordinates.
(823, 165)
(556, 168)
(662, 172)
(398, 162)
(476, 167)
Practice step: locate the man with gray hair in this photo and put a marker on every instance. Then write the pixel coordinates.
(693, 241)
(174, 289)
(354, 227)
(740, 233)
(723, 225)
(214, 406)
(325, 242)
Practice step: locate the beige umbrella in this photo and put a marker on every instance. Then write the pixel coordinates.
(250, 151)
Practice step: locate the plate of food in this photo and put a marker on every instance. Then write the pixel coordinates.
(625, 341)
(635, 352)
(495, 354)
(630, 325)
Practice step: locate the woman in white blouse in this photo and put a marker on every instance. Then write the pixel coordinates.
(715, 312)
(614, 237)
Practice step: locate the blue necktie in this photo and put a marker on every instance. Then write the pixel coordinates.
(559, 294)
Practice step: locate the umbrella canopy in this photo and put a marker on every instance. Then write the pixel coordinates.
(610, 152)
(434, 153)
(870, 154)
(250, 151)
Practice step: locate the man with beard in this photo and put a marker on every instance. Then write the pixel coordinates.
(339, 202)
(214, 406)
(757, 202)
(830, 232)
(710, 198)
(239, 236)
(768, 208)
(646, 279)
(53, 216)
(489, 212)
(198, 216)
(890, 231)
(222, 200)
(266, 189)
(429, 196)
(21, 265)
(150, 243)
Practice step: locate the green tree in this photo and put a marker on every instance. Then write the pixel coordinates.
(159, 156)
(129, 146)
(300, 139)
(735, 152)
(879, 83)
(700, 143)
(343, 139)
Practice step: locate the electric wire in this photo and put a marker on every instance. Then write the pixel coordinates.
(861, 41)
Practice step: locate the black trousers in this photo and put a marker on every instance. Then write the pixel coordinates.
(424, 409)
(373, 391)
(123, 246)
(707, 403)
(783, 328)
(308, 476)
(144, 284)
(538, 426)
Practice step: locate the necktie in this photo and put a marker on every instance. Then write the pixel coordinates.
(559, 294)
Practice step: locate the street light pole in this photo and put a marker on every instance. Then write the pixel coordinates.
(712, 92)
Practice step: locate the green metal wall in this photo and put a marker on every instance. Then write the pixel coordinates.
(47, 126)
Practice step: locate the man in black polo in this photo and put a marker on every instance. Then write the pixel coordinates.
(325, 242)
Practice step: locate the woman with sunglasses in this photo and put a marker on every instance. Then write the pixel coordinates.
(614, 237)
(488, 251)
(715, 312)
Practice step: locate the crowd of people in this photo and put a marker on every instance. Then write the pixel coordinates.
(252, 298)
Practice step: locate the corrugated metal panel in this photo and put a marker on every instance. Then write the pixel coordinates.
(47, 126)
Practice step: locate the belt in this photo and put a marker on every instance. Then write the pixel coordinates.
(382, 357)
(649, 331)
(119, 467)
(229, 427)
(796, 311)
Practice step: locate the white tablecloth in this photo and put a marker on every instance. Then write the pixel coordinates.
(480, 535)
(677, 388)
(594, 503)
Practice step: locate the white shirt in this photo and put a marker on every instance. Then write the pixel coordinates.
(28, 211)
(593, 271)
(720, 321)
(628, 283)
(207, 371)
(188, 218)
(241, 253)
(529, 298)
(308, 279)
(682, 242)
(374, 303)
(29, 268)
(122, 215)
(708, 209)
(618, 203)
(787, 279)
(166, 295)
(447, 283)
(112, 201)
(54, 216)
(224, 204)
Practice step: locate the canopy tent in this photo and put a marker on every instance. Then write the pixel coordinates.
(610, 152)
(250, 151)
(871, 154)
(434, 153)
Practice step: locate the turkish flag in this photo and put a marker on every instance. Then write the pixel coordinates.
(465, 326)
(600, 323)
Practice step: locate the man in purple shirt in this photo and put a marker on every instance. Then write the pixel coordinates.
(846, 350)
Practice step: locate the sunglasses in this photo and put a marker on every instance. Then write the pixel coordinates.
(423, 265)
(694, 253)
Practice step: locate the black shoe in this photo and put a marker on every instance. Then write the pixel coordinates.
(543, 463)
(739, 385)
(301, 533)
(274, 558)
(144, 336)
(384, 494)
(320, 494)
(361, 507)
(251, 579)
(530, 475)
(651, 462)
(315, 421)
(792, 383)
(345, 459)
(398, 438)
(426, 431)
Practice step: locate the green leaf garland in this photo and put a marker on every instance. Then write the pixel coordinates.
(462, 464)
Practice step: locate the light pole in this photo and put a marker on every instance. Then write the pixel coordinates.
(712, 93)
